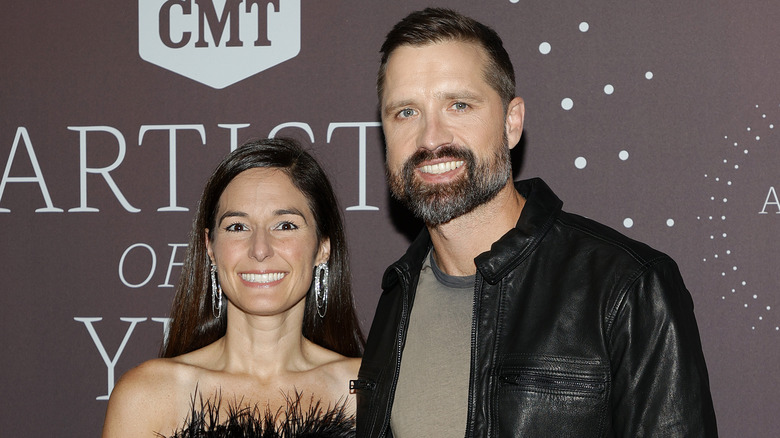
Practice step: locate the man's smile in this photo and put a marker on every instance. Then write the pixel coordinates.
(439, 168)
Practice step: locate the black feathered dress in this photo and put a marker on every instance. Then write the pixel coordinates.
(290, 421)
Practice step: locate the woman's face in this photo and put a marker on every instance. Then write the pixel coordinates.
(265, 243)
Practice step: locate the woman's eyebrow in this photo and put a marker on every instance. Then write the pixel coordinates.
(291, 210)
(279, 212)
(231, 213)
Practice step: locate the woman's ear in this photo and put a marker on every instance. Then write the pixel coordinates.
(323, 254)
(209, 250)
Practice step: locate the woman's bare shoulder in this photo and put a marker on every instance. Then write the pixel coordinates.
(160, 376)
(336, 375)
(148, 397)
(347, 367)
(334, 371)
(332, 363)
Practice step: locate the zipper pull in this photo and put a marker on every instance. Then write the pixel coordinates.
(359, 384)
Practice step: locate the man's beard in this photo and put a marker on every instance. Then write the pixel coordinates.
(439, 203)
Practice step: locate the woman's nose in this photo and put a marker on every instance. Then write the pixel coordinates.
(261, 245)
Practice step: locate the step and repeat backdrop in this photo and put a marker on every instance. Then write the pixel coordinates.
(660, 119)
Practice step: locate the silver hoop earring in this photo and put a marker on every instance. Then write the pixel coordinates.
(321, 289)
(216, 288)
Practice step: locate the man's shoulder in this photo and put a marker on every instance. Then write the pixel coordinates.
(584, 238)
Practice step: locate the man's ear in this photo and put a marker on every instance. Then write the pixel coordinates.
(515, 115)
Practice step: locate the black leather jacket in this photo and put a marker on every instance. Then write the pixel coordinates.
(577, 331)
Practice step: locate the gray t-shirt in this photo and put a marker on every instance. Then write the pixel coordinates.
(431, 397)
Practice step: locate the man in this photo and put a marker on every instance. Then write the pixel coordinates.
(508, 316)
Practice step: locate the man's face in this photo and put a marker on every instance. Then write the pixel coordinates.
(445, 129)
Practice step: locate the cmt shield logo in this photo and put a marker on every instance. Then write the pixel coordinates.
(218, 42)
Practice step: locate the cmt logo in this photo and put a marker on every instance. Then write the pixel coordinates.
(218, 42)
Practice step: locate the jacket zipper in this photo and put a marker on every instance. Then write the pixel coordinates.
(474, 314)
(399, 341)
(556, 382)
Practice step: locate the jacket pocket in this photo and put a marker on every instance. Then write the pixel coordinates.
(552, 397)
(552, 382)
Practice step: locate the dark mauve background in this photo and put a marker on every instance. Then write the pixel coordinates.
(685, 159)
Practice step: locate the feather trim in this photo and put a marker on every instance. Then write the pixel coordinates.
(288, 421)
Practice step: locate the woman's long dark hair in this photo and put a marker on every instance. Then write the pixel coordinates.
(192, 323)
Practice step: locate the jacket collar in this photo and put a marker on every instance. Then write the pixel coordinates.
(539, 213)
(411, 261)
(541, 209)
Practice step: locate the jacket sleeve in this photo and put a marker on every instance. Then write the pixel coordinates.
(660, 382)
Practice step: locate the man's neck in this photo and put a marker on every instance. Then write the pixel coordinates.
(457, 242)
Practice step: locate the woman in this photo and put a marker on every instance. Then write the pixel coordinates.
(263, 337)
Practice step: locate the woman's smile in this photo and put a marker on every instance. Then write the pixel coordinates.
(265, 279)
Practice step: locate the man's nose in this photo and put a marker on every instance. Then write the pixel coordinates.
(435, 132)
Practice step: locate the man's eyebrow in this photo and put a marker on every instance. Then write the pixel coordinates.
(390, 106)
(444, 95)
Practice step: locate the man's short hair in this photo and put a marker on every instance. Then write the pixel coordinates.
(435, 25)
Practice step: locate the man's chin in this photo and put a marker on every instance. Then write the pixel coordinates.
(434, 216)
(434, 196)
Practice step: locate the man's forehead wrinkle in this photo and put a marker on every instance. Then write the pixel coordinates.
(455, 94)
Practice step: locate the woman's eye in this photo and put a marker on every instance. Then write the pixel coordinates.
(236, 227)
(286, 226)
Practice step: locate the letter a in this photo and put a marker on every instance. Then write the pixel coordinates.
(771, 194)
(21, 134)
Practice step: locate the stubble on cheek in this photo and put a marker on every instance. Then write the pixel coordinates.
(439, 203)
(406, 186)
(433, 203)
